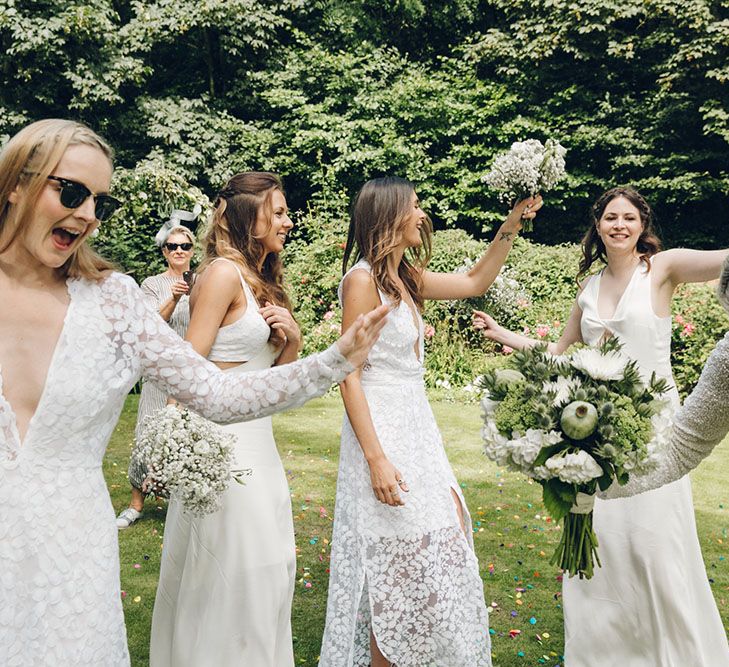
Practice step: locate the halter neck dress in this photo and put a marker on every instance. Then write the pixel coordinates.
(408, 573)
(650, 604)
(227, 579)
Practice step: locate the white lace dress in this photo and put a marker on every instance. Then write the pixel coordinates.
(650, 604)
(408, 572)
(59, 575)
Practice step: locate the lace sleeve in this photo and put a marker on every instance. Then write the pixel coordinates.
(179, 371)
(700, 425)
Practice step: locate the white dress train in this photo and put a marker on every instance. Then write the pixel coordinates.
(650, 604)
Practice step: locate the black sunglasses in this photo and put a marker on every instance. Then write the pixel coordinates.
(175, 246)
(73, 194)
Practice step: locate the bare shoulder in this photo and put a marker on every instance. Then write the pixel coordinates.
(662, 262)
(219, 280)
(359, 281)
(219, 275)
(359, 287)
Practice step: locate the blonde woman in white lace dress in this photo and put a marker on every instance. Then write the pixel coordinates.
(74, 339)
(404, 587)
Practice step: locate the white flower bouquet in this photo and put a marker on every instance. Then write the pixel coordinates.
(574, 423)
(529, 168)
(188, 456)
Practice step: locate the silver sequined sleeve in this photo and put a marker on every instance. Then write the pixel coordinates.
(700, 425)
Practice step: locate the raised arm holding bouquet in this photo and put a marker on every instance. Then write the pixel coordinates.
(527, 169)
(652, 577)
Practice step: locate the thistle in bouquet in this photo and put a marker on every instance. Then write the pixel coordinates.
(527, 169)
(188, 456)
(574, 423)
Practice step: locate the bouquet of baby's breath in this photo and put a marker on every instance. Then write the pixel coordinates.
(574, 423)
(188, 456)
(529, 168)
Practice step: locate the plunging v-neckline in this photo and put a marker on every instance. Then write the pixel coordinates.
(13, 421)
(415, 317)
(620, 300)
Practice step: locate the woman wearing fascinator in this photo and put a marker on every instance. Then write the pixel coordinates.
(75, 337)
(167, 292)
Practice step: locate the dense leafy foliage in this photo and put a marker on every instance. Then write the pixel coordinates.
(330, 93)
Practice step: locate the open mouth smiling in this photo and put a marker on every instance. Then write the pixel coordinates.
(63, 237)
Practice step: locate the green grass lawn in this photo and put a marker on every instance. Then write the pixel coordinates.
(514, 538)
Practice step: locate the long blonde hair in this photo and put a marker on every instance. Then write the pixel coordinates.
(231, 233)
(27, 160)
(379, 212)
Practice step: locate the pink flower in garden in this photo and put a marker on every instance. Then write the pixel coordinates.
(328, 315)
(688, 329)
(429, 331)
(542, 330)
(506, 349)
(679, 319)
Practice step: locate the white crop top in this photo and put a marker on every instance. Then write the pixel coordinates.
(245, 338)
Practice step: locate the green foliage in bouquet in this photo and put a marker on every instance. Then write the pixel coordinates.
(576, 424)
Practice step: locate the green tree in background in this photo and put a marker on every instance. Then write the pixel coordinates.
(332, 92)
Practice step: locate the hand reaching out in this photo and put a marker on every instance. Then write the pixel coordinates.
(357, 340)
(487, 325)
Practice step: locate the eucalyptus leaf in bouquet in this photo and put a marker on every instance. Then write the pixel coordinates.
(575, 423)
(188, 456)
(527, 169)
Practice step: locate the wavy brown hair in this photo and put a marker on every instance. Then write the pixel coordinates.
(379, 212)
(232, 233)
(593, 248)
(26, 161)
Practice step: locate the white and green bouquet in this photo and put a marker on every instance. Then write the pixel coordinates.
(575, 423)
(527, 169)
(189, 457)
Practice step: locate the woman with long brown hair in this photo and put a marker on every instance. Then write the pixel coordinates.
(227, 579)
(649, 603)
(75, 337)
(404, 587)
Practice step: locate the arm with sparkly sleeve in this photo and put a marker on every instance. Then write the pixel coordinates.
(700, 425)
(179, 371)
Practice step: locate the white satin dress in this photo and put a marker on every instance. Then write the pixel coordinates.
(650, 604)
(227, 579)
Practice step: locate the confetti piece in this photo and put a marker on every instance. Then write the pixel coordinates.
(138, 598)
(533, 621)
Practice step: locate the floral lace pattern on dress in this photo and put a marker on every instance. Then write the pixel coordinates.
(409, 573)
(59, 583)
